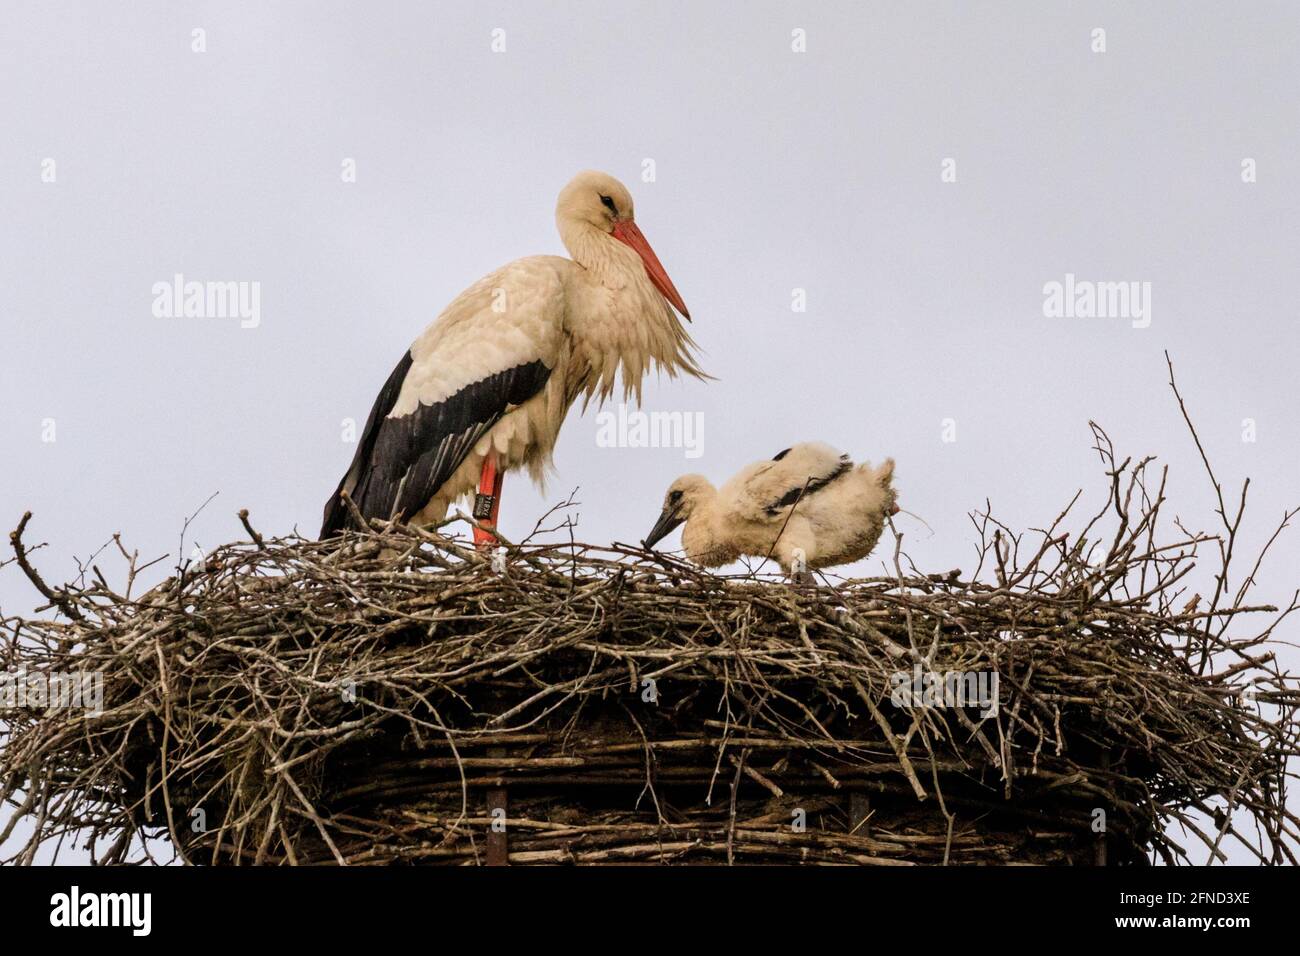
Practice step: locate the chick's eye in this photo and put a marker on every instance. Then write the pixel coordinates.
(675, 497)
(609, 204)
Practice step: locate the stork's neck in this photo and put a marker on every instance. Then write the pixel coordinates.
(599, 252)
(705, 537)
(621, 325)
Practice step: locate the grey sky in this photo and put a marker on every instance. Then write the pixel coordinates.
(775, 171)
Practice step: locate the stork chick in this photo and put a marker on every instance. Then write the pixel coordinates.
(809, 507)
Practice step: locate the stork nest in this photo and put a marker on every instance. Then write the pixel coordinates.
(395, 696)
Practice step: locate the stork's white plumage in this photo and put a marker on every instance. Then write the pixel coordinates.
(491, 380)
(809, 503)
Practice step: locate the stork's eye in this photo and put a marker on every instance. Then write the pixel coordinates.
(674, 497)
(609, 204)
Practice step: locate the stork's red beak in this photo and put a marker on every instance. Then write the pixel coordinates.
(627, 233)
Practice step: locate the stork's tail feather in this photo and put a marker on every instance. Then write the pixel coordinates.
(336, 517)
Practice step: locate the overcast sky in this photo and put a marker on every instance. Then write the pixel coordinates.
(774, 170)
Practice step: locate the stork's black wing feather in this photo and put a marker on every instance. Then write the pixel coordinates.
(336, 514)
(812, 485)
(402, 461)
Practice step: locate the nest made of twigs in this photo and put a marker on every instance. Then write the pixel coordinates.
(397, 696)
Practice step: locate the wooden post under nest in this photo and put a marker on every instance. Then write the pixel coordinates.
(860, 813)
(498, 851)
(1099, 851)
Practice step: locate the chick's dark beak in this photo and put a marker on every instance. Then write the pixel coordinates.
(668, 520)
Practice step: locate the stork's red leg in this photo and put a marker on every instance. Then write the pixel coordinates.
(496, 496)
(487, 503)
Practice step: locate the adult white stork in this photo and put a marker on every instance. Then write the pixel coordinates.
(486, 387)
(808, 507)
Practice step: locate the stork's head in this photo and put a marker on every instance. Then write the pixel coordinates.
(685, 496)
(597, 202)
(594, 198)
